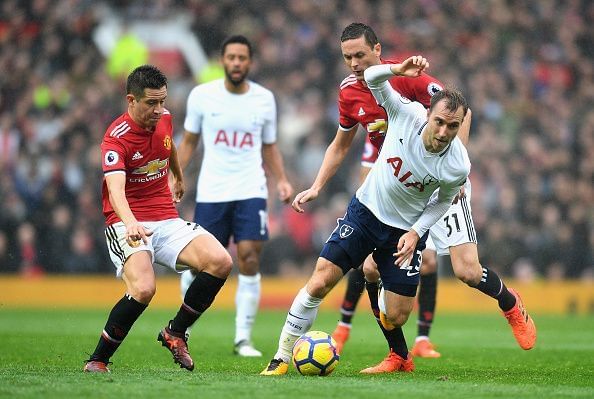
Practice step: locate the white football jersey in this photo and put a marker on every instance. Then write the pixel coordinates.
(405, 174)
(233, 128)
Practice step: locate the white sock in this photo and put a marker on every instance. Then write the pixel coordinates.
(247, 299)
(186, 279)
(300, 318)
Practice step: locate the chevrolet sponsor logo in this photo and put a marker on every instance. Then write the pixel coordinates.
(151, 168)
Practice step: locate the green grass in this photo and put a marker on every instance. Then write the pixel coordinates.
(42, 353)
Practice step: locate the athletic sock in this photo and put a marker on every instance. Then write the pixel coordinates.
(427, 293)
(492, 285)
(394, 337)
(247, 299)
(300, 318)
(355, 286)
(119, 322)
(199, 297)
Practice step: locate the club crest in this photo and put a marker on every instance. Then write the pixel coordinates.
(345, 231)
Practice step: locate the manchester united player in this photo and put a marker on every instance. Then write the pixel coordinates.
(390, 214)
(143, 226)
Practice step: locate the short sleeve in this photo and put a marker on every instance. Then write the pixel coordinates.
(194, 113)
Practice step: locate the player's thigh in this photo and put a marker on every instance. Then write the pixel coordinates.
(456, 227)
(324, 277)
(206, 254)
(250, 220)
(139, 276)
(465, 262)
(180, 245)
(216, 218)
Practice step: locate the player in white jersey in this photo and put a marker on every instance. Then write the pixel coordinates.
(391, 212)
(237, 120)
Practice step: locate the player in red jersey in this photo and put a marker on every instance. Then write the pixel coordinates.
(357, 106)
(143, 225)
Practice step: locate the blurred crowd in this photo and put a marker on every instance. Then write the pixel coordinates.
(526, 66)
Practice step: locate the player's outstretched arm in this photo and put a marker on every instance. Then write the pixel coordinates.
(333, 158)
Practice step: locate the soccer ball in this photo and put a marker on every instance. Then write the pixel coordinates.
(314, 353)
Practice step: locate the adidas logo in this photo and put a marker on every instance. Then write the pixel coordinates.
(136, 156)
(361, 112)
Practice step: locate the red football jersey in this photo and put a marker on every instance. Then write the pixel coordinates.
(356, 105)
(143, 156)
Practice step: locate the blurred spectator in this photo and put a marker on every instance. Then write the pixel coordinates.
(526, 66)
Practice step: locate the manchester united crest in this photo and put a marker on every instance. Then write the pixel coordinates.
(167, 142)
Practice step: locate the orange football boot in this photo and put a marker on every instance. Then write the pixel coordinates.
(341, 336)
(424, 348)
(390, 364)
(521, 323)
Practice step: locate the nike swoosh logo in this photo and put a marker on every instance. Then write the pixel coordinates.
(401, 142)
(409, 274)
(297, 317)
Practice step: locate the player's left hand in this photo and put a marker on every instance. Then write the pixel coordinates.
(406, 247)
(413, 66)
(285, 191)
(178, 189)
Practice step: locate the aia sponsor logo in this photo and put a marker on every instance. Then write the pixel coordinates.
(235, 139)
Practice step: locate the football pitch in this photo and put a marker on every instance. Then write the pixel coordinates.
(42, 354)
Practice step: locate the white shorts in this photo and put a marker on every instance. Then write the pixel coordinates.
(169, 238)
(455, 227)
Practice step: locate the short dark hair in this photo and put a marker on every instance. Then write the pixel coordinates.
(145, 77)
(240, 39)
(358, 29)
(453, 97)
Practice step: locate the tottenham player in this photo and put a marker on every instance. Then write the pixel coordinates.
(143, 226)
(237, 120)
(391, 213)
(357, 106)
(454, 233)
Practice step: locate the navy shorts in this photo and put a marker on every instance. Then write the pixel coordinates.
(244, 220)
(360, 233)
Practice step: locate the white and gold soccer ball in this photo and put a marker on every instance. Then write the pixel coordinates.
(314, 353)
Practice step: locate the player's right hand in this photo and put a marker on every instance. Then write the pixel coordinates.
(135, 232)
(305, 196)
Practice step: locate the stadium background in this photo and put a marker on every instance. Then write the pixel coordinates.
(527, 68)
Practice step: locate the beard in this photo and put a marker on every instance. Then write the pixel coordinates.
(237, 81)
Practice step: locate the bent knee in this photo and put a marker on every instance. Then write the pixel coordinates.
(143, 293)
(469, 272)
(398, 319)
(370, 271)
(221, 263)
